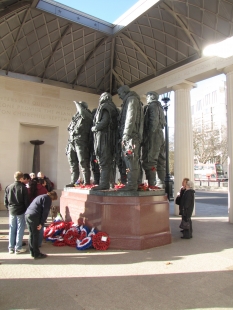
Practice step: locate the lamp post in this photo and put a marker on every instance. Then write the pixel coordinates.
(168, 181)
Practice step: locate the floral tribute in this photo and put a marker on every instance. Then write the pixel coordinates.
(141, 187)
(80, 236)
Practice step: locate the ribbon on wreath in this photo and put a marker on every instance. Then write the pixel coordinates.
(84, 244)
(70, 237)
(93, 232)
(59, 242)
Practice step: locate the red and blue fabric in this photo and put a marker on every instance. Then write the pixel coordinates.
(84, 244)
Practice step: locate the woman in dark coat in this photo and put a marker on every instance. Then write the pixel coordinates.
(181, 193)
(187, 206)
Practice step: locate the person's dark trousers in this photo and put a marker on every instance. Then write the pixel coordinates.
(41, 236)
(189, 232)
(34, 235)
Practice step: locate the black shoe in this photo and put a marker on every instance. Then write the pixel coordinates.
(24, 243)
(40, 256)
(184, 237)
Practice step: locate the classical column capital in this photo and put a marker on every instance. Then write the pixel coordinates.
(228, 69)
(184, 85)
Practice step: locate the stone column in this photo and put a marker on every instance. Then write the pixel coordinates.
(36, 155)
(229, 81)
(183, 138)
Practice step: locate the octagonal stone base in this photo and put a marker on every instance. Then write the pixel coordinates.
(133, 220)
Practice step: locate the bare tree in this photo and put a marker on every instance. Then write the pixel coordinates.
(171, 155)
(210, 144)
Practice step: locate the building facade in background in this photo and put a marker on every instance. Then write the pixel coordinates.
(209, 118)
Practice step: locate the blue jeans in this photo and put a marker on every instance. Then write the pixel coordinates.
(16, 231)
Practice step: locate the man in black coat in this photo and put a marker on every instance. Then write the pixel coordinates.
(16, 201)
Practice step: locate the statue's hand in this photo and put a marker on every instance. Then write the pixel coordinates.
(93, 129)
(125, 138)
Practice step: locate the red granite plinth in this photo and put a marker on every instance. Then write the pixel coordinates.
(133, 222)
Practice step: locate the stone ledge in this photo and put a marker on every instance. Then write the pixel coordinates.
(156, 192)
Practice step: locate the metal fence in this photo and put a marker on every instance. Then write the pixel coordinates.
(209, 183)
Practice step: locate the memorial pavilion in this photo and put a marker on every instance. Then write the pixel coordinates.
(51, 54)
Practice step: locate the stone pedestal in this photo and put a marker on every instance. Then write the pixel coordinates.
(133, 220)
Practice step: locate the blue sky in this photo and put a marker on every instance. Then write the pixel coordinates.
(107, 10)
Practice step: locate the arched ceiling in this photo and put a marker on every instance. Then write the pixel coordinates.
(54, 48)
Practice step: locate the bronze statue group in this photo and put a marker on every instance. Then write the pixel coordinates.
(130, 138)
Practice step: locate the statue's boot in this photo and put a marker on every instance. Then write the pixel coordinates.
(160, 180)
(112, 176)
(104, 180)
(132, 184)
(150, 175)
(140, 175)
(74, 178)
(123, 178)
(86, 177)
(96, 178)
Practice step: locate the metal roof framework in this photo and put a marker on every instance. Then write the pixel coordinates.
(52, 42)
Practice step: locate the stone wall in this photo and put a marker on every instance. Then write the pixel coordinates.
(31, 111)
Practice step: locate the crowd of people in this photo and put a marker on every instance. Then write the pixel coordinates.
(28, 200)
(130, 138)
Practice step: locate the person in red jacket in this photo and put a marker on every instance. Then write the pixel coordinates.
(37, 187)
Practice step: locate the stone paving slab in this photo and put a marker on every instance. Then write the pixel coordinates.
(186, 274)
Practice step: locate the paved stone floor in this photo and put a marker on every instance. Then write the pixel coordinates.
(186, 274)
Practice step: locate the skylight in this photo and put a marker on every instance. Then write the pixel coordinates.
(94, 21)
(108, 11)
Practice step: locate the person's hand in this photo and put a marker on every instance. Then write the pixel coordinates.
(39, 227)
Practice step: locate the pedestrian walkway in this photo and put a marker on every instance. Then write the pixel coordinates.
(186, 274)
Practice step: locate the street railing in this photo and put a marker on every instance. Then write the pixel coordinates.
(210, 183)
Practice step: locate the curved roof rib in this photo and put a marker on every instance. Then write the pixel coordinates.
(179, 20)
(17, 38)
(57, 44)
(87, 58)
(138, 49)
(55, 48)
